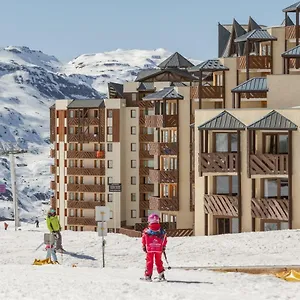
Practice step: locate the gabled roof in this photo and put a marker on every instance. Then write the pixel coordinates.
(115, 90)
(223, 121)
(93, 103)
(252, 25)
(210, 65)
(168, 93)
(273, 121)
(146, 86)
(177, 84)
(223, 38)
(292, 8)
(257, 84)
(292, 53)
(289, 22)
(256, 35)
(176, 60)
(147, 74)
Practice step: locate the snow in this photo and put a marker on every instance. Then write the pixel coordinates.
(125, 265)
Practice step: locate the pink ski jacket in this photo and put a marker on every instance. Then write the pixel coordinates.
(154, 240)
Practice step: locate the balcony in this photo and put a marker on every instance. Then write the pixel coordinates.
(220, 162)
(273, 209)
(53, 185)
(144, 171)
(81, 221)
(83, 121)
(85, 154)
(146, 104)
(163, 148)
(86, 171)
(144, 204)
(84, 204)
(255, 62)
(221, 205)
(144, 137)
(208, 92)
(164, 204)
(53, 169)
(146, 188)
(86, 138)
(86, 188)
(160, 121)
(161, 176)
(290, 32)
(145, 154)
(52, 153)
(268, 164)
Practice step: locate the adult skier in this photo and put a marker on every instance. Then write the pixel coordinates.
(154, 241)
(55, 228)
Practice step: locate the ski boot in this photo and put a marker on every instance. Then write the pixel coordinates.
(148, 278)
(161, 276)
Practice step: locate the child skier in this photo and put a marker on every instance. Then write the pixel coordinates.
(154, 240)
(49, 240)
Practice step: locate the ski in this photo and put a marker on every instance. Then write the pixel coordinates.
(156, 279)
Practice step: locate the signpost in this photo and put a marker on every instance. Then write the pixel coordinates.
(101, 217)
(115, 188)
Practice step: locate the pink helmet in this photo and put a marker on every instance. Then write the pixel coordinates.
(153, 218)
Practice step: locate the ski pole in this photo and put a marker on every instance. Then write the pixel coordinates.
(39, 246)
(165, 255)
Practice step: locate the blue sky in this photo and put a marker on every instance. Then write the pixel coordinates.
(68, 28)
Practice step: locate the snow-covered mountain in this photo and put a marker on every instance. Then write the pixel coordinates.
(30, 81)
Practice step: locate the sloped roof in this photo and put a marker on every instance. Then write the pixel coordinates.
(273, 121)
(293, 53)
(257, 84)
(115, 90)
(223, 38)
(168, 93)
(210, 65)
(292, 8)
(252, 25)
(223, 121)
(176, 60)
(178, 84)
(147, 73)
(146, 86)
(256, 35)
(90, 103)
(288, 21)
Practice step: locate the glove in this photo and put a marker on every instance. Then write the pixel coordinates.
(144, 249)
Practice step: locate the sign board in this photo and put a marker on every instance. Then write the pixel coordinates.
(115, 187)
(102, 228)
(102, 213)
(21, 165)
(2, 188)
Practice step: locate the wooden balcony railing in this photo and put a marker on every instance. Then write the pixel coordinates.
(208, 92)
(273, 209)
(145, 104)
(255, 62)
(163, 148)
(83, 121)
(160, 121)
(53, 185)
(81, 221)
(53, 169)
(52, 153)
(219, 162)
(161, 176)
(221, 205)
(144, 171)
(86, 171)
(146, 188)
(85, 154)
(145, 154)
(84, 204)
(144, 137)
(269, 164)
(86, 138)
(144, 204)
(164, 204)
(86, 188)
(290, 32)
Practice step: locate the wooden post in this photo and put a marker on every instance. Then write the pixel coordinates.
(224, 89)
(253, 196)
(290, 178)
(288, 66)
(247, 61)
(200, 90)
(272, 55)
(297, 26)
(233, 100)
(239, 100)
(248, 152)
(200, 152)
(285, 21)
(205, 214)
(239, 171)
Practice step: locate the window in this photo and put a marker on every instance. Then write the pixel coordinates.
(71, 113)
(109, 180)
(276, 188)
(109, 147)
(133, 197)
(276, 143)
(95, 113)
(133, 113)
(226, 185)
(110, 198)
(111, 214)
(133, 147)
(71, 130)
(133, 214)
(133, 180)
(109, 164)
(133, 164)
(225, 142)
(133, 130)
(109, 130)
(109, 113)
(133, 96)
